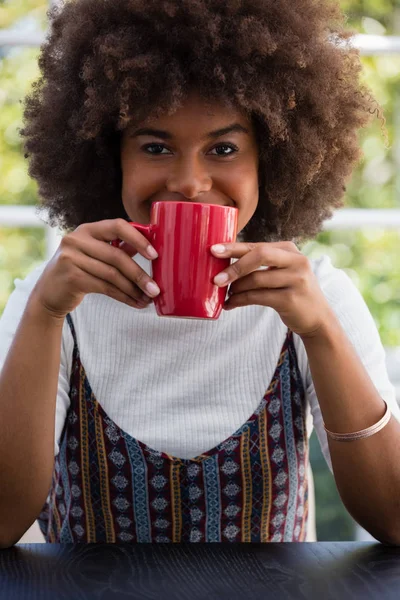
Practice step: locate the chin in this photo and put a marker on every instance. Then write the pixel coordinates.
(138, 215)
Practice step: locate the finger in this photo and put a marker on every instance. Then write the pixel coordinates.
(110, 275)
(271, 298)
(239, 249)
(111, 229)
(96, 285)
(114, 258)
(127, 248)
(265, 279)
(262, 255)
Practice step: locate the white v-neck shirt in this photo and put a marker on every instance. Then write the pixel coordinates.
(183, 386)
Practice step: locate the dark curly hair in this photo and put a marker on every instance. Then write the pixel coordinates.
(287, 63)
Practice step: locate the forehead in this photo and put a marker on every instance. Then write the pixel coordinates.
(196, 113)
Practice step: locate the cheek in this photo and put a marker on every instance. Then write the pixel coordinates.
(128, 173)
(137, 181)
(246, 195)
(133, 191)
(247, 210)
(129, 189)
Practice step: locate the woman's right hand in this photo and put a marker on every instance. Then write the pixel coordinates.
(85, 263)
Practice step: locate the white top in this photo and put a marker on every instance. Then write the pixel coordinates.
(183, 386)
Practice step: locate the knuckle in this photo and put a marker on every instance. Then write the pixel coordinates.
(260, 252)
(263, 252)
(290, 245)
(259, 278)
(64, 256)
(66, 241)
(305, 264)
(303, 258)
(235, 268)
(81, 228)
(141, 277)
(301, 278)
(120, 223)
(112, 273)
(110, 290)
(74, 277)
(115, 253)
(289, 298)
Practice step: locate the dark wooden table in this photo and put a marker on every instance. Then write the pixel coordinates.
(323, 571)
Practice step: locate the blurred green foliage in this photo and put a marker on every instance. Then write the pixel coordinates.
(370, 256)
(20, 249)
(333, 522)
(13, 11)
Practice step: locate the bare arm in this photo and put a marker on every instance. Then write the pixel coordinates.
(367, 471)
(28, 392)
(84, 263)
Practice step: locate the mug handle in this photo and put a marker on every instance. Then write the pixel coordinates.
(144, 229)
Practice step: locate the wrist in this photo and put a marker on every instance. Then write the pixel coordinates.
(36, 309)
(326, 330)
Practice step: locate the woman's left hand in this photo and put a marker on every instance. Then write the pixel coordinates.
(288, 285)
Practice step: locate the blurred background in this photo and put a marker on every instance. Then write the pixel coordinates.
(363, 239)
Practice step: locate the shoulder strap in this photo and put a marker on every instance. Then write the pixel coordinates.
(71, 325)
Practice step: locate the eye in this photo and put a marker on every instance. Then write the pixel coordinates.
(154, 148)
(225, 147)
(221, 149)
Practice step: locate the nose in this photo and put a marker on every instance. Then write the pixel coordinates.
(189, 178)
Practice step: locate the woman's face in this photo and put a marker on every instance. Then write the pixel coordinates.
(202, 153)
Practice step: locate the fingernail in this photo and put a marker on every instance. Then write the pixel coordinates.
(218, 248)
(221, 278)
(152, 252)
(141, 304)
(152, 289)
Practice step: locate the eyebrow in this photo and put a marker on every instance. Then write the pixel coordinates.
(165, 135)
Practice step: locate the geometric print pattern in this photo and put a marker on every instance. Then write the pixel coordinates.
(109, 487)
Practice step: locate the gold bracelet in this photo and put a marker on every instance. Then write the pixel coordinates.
(364, 433)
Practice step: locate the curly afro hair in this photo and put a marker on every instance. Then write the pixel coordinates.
(287, 63)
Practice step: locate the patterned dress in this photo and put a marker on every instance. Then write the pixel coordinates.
(109, 487)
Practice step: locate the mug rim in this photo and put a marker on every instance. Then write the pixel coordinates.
(193, 204)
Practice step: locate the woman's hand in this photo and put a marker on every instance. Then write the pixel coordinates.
(85, 263)
(288, 285)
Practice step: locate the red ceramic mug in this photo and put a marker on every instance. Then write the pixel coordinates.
(183, 233)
